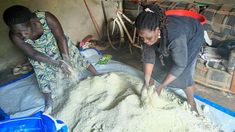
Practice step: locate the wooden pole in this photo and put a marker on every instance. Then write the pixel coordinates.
(93, 20)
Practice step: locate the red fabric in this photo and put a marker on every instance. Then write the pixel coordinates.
(86, 39)
(188, 13)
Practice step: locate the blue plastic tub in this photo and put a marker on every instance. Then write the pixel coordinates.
(38, 122)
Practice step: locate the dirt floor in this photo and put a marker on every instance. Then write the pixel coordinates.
(222, 98)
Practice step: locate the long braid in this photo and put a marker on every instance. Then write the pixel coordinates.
(152, 18)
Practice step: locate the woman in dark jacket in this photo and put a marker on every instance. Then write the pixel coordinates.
(170, 49)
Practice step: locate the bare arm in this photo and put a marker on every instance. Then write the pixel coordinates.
(149, 57)
(148, 69)
(30, 52)
(92, 69)
(169, 78)
(58, 32)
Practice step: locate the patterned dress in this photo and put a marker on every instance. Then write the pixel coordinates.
(46, 74)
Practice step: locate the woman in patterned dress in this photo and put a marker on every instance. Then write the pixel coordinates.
(40, 36)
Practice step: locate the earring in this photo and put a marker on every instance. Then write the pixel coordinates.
(159, 34)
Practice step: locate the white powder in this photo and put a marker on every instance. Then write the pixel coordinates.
(112, 103)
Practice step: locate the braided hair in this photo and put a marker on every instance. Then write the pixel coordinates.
(151, 18)
(17, 14)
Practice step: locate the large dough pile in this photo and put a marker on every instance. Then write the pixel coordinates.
(112, 103)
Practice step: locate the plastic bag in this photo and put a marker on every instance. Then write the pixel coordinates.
(104, 59)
